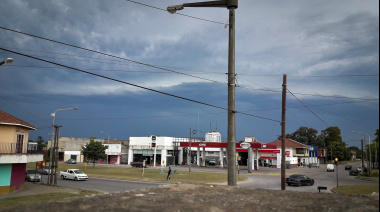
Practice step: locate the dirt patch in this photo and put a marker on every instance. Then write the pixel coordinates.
(195, 197)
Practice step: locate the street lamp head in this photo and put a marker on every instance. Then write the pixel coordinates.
(9, 60)
(76, 108)
(173, 9)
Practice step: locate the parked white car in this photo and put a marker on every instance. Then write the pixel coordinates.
(73, 174)
(330, 167)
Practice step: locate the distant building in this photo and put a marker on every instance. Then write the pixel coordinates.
(298, 153)
(15, 152)
(353, 155)
(71, 148)
(165, 151)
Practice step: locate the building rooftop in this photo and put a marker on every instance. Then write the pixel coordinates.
(289, 143)
(7, 119)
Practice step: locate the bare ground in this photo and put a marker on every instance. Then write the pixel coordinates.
(195, 197)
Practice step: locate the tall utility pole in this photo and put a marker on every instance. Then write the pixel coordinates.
(369, 150)
(362, 158)
(54, 166)
(232, 5)
(283, 132)
(189, 159)
(50, 175)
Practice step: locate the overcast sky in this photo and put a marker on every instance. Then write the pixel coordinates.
(328, 49)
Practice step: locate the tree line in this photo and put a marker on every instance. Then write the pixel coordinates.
(331, 140)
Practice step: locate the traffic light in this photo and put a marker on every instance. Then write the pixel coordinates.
(153, 144)
(336, 161)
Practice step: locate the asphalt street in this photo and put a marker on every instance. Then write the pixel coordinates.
(270, 178)
(106, 185)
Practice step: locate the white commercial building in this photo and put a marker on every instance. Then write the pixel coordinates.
(164, 151)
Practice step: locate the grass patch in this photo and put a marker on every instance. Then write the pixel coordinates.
(32, 199)
(150, 174)
(357, 189)
(374, 176)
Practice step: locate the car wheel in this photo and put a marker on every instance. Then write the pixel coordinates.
(299, 184)
(28, 179)
(75, 179)
(312, 183)
(62, 177)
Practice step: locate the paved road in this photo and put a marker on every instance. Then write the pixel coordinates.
(264, 178)
(270, 178)
(106, 185)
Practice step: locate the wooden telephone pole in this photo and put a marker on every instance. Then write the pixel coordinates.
(283, 132)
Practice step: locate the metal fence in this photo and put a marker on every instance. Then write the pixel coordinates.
(15, 148)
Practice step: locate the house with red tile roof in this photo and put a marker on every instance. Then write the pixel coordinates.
(15, 152)
(298, 153)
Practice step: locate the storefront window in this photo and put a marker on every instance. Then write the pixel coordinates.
(147, 155)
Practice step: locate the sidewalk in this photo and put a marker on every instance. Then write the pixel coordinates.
(38, 188)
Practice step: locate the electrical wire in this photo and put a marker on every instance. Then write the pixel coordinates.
(134, 85)
(313, 76)
(307, 108)
(157, 8)
(109, 55)
(305, 94)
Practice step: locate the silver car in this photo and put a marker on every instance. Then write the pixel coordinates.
(32, 175)
(71, 161)
(44, 171)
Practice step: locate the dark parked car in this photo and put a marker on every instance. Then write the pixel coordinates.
(299, 180)
(212, 162)
(354, 172)
(71, 161)
(348, 167)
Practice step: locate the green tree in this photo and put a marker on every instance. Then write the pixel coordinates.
(41, 142)
(304, 135)
(338, 150)
(94, 151)
(331, 134)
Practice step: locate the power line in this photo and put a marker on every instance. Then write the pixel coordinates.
(157, 8)
(134, 85)
(313, 76)
(305, 94)
(307, 108)
(337, 97)
(109, 55)
(165, 69)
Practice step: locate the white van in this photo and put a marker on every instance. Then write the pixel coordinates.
(330, 167)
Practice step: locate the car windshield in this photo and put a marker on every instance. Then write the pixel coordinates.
(78, 172)
(31, 171)
(47, 167)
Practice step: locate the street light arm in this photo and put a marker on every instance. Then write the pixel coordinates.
(8, 60)
(75, 108)
(223, 3)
